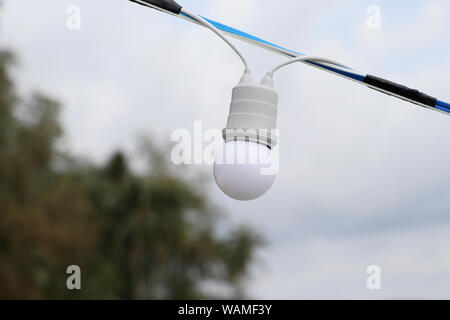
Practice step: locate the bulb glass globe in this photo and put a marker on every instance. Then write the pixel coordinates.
(244, 170)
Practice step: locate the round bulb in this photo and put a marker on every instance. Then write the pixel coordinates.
(244, 170)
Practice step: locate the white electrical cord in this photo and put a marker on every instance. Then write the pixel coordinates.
(373, 82)
(309, 59)
(219, 33)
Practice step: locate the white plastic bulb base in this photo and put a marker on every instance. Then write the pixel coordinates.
(243, 170)
(253, 113)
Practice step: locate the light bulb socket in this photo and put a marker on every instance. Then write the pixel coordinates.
(253, 114)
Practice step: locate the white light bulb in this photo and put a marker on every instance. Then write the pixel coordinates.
(244, 170)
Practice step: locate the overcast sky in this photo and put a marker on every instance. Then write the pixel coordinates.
(364, 177)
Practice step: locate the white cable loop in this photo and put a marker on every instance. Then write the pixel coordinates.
(219, 33)
(310, 59)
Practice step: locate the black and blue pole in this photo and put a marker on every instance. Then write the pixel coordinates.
(373, 82)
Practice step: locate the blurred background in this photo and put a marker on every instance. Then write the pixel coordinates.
(86, 117)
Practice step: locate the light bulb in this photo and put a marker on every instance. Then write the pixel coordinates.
(244, 170)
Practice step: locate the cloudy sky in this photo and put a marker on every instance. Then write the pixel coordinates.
(364, 178)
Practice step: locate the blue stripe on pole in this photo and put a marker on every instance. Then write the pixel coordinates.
(289, 52)
(443, 106)
(243, 34)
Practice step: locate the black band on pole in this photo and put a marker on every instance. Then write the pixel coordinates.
(400, 90)
(167, 5)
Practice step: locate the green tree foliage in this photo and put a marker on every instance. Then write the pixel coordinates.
(150, 235)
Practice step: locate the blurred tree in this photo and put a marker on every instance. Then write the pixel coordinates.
(135, 236)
